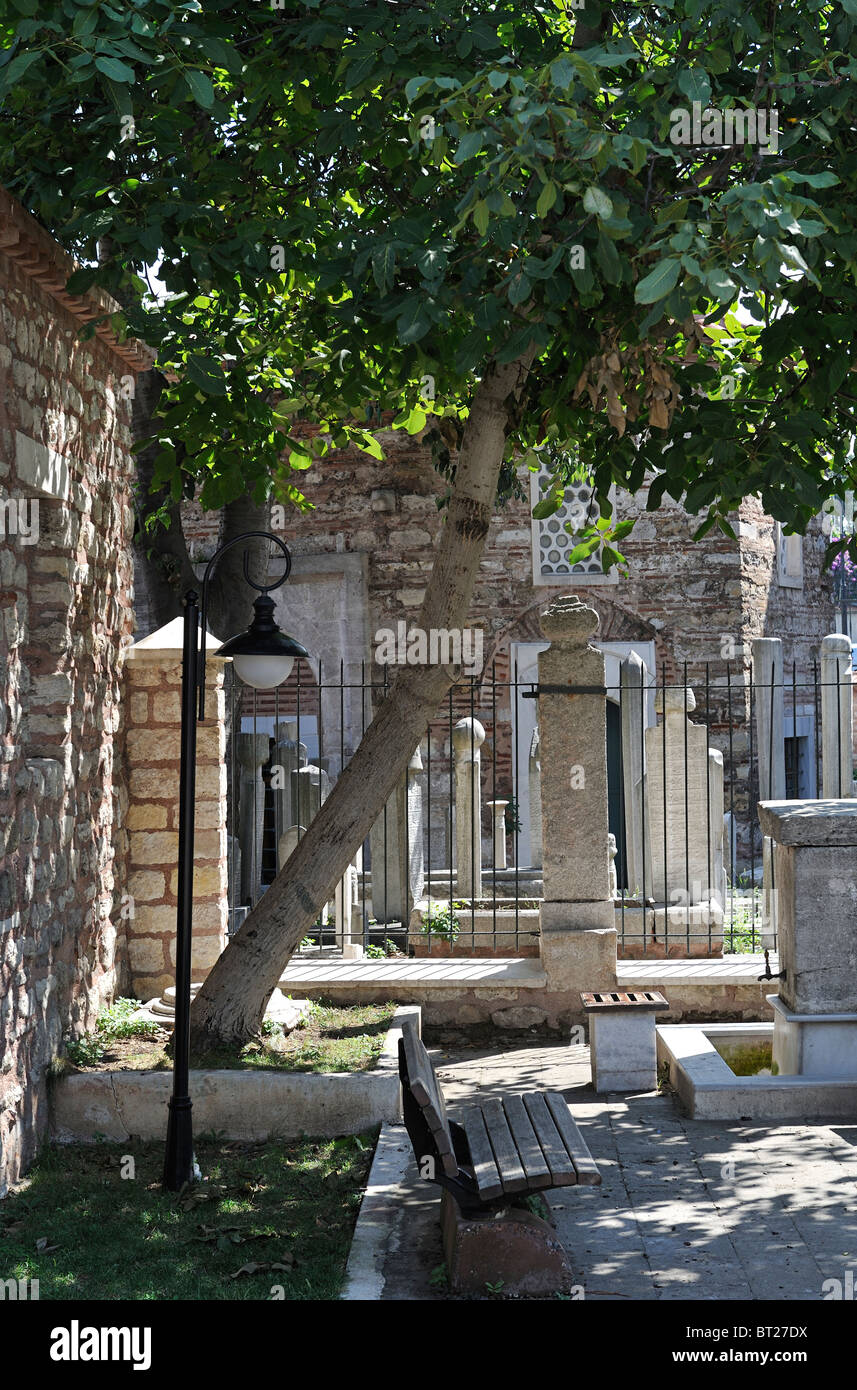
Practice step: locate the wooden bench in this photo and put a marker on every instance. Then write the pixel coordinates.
(502, 1151)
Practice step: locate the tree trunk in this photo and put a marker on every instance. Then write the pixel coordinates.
(162, 569)
(231, 1004)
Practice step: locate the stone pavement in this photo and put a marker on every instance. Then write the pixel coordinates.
(687, 1209)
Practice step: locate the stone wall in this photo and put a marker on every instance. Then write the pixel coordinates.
(65, 615)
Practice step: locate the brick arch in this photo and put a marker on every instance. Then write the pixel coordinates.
(616, 623)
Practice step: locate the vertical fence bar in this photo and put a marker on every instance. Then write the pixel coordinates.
(517, 835)
(622, 826)
(686, 814)
(708, 864)
(364, 912)
(475, 819)
(428, 827)
(664, 790)
(817, 726)
(733, 835)
(494, 799)
(751, 815)
(453, 809)
(386, 859)
(643, 795)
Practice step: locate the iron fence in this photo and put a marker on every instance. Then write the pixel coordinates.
(693, 874)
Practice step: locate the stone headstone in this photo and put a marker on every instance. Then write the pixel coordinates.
(467, 739)
(677, 791)
(770, 735)
(252, 751)
(396, 844)
(498, 842)
(534, 772)
(836, 716)
(638, 854)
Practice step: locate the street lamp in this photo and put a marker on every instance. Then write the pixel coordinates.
(263, 657)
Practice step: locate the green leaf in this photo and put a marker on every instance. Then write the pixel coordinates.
(414, 87)
(596, 201)
(469, 146)
(480, 217)
(548, 505)
(223, 54)
(547, 198)
(199, 85)
(413, 323)
(658, 283)
(384, 267)
(19, 66)
(695, 84)
(116, 71)
(722, 286)
(206, 373)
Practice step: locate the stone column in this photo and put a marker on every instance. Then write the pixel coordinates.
(638, 853)
(467, 739)
(252, 752)
(152, 752)
(534, 771)
(498, 811)
(836, 715)
(578, 934)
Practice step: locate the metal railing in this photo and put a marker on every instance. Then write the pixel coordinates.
(407, 883)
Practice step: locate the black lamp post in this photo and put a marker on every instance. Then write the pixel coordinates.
(263, 657)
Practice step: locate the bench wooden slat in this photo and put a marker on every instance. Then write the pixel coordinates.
(587, 1170)
(481, 1154)
(562, 1169)
(529, 1150)
(429, 1097)
(512, 1174)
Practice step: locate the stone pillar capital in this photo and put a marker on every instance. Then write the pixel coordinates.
(568, 622)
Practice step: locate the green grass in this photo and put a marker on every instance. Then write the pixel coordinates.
(331, 1038)
(103, 1236)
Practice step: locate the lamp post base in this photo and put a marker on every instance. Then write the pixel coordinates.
(178, 1159)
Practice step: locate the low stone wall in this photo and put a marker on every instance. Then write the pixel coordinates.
(245, 1105)
(516, 1010)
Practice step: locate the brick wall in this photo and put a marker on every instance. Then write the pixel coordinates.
(65, 613)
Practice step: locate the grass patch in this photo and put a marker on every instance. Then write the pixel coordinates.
(330, 1038)
(282, 1212)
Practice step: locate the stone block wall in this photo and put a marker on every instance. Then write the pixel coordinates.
(153, 697)
(65, 619)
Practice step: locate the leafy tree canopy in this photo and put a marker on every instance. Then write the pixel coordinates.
(368, 201)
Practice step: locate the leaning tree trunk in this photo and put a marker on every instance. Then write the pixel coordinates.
(231, 1004)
